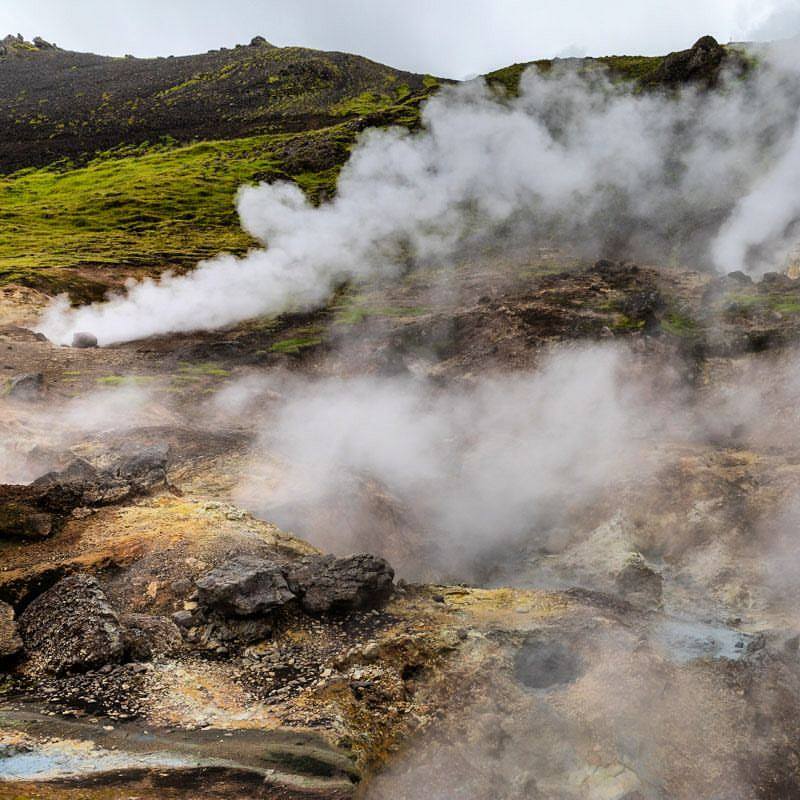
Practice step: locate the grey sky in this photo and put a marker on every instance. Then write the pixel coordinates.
(445, 37)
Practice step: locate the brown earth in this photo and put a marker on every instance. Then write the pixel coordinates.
(370, 704)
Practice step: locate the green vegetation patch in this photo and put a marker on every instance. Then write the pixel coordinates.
(207, 369)
(677, 323)
(163, 204)
(303, 339)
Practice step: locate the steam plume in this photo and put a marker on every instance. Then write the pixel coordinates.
(575, 158)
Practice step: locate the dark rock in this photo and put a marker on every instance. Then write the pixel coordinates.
(604, 265)
(183, 619)
(84, 340)
(644, 306)
(638, 583)
(776, 280)
(29, 386)
(699, 65)
(259, 41)
(142, 468)
(737, 276)
(245, 631)
(182, 587)
(41, 44)
(10, 641)
(80, 484)
(147, 637)
(19, 520)
(244, 586)
(328, 584)
(72, 628)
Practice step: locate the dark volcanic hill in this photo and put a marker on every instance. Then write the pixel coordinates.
(109, 163)
(55, 103)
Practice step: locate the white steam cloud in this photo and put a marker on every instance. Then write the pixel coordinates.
(33, 437)
(480, 467)
(576, 159)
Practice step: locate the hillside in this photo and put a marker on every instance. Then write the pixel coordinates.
(133, 164)
(59, 104)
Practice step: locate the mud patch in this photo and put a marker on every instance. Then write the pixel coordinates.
(543, 664)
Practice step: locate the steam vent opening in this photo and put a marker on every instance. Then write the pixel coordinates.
(542, 664)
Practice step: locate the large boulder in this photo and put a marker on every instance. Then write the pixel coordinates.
(147, 637)
(35, 511)
(10, 641)
(142, 468)
(79, 484)
(72, 628)
(326, 584)
(244, 586)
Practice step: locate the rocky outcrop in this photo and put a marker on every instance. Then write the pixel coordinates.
(244, 586)
(248, 586)
(146, 637)
(10, 641)
(35, 511)
(326, 584)
(638, 583)
(701, 65)
(29, 386)
(72, 628)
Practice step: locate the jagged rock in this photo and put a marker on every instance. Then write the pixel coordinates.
(10, 641)
(84, 340)
(259, 41)
(142, 468)
(700, 65)
(72, 628)
(41, 44)
(644, 306)
(329, 584)
(244, 586)
(28, 386)
(147, 637)
(80, 484)
(639, 583)
(34, 511)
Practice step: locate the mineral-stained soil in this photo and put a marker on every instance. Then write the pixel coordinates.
(641, 651)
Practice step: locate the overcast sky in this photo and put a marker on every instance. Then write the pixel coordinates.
(452, 38)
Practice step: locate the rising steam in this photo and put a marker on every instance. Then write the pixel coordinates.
(706, 176)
